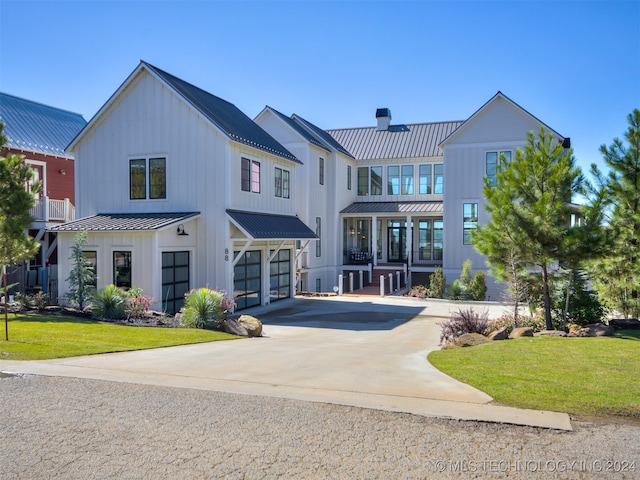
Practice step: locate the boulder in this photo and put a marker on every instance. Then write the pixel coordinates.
(521, 332)
(500, 334)
(625, 323)
(251, 324)
(551, 333)
(468, 340)
(581, 332)
(232, 326)
(600, 329)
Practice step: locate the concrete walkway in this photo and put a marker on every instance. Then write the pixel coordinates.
(364, 351)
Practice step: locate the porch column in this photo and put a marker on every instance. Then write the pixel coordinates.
(409, 239)
(374, 239)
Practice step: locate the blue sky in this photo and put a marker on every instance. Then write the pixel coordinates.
(574, 65)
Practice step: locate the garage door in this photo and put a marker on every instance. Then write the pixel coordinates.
(246, 280)
(175, 280)
(280, 276)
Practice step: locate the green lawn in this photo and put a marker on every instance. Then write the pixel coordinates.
(581, 376)
(38, 337)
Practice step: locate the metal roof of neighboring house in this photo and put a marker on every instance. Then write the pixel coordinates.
(394, 207)
(266, 225)
(36, 127)
(399, 141)
(225, 116)
(109, 222)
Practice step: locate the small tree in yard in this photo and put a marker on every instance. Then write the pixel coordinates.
(437, 284)
(16, 202)
(82, 276)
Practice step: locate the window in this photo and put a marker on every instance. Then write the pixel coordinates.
(492, 160)
(348, 177)
(438, 239)
(424, 240)
(438, 178)
(157, 181)
(282, 183)
(407, 180)
(318, 233)
(321, 171)
(393, 180)
(122, 269)
(318, 285)
(363, 181)
(92, 257)
(376, 180)
(470, 221)
(425, 179)
(250, 176)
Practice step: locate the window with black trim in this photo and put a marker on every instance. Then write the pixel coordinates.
(122, 268)
(470, 221)
(321, 171)
(282, 183)
(250, 176)
(148, 178)
(348, 177)
(319, 234)
(492, 160)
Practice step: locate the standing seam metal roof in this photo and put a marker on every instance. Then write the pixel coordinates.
(36, 127)
(272, 226)
(298, 128)
(226, 116)
(106, 222)
(399, 141)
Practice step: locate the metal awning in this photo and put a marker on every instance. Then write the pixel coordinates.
(111, 222)
(383, 208)
(268, 226)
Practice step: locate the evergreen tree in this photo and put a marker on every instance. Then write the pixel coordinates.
(16, 201)
(617, 275)
(82, 276)
(530, 207)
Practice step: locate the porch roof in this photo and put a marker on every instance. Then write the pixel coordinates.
(270, 226)
(434, 207)
(109, 222)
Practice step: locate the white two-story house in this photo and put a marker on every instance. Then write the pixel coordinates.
(179, 189)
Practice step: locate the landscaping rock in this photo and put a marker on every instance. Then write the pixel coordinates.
(550, 333)
(251, 324)
(231, 325)
(600, 329)
(574, 328)
(521, 332)
(500, 334)
(467, 340)
(625, 323)
(581, 332)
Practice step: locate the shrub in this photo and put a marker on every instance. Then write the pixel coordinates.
(109, 303)
(503, 321)
(478, 287)
(463, 321)
(39, 300)
(457, 291)
(203, 308)
(137, 304)
(419, 291)
(437, 283)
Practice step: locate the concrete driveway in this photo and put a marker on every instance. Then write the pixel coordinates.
(360, 351)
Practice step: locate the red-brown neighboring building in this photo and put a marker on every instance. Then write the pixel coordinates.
(41, 133)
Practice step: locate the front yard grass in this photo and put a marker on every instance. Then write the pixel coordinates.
(40, 337)
(580, 376)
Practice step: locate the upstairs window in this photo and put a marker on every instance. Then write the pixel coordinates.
(425, 179)
(282, 183)
(319, 234)
(348, 177)
(492, 159)
(363, 181)
(376, 180)
(438, 179)
(250, 176)
(143, 185)
(407, 180)
(393, 180)
(321, 171)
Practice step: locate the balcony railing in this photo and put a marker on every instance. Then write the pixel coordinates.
(50, 210)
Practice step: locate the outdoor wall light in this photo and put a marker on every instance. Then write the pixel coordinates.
(181, 230)
(63, 171)
(352, 231)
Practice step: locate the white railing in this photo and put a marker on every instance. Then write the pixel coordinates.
(50, 210)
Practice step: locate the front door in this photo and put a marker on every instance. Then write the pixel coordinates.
(396, 244)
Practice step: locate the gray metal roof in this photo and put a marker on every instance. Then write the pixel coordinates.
(399, 141)
(109, 222)
(323, 135)
(225, 116)
(393, 207)
(274, 227)
(36, 127)
(299, 129)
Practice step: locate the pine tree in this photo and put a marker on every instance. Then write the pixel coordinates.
(530, 207)
(617, 275)
(82, 276)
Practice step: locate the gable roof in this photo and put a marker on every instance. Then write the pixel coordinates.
(322, 135)
(228, 118)
(399, 141)
(109, 222)
(484, 107)
(303, 132)
(36, 127)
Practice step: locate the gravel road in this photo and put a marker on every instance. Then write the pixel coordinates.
(66, 428)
